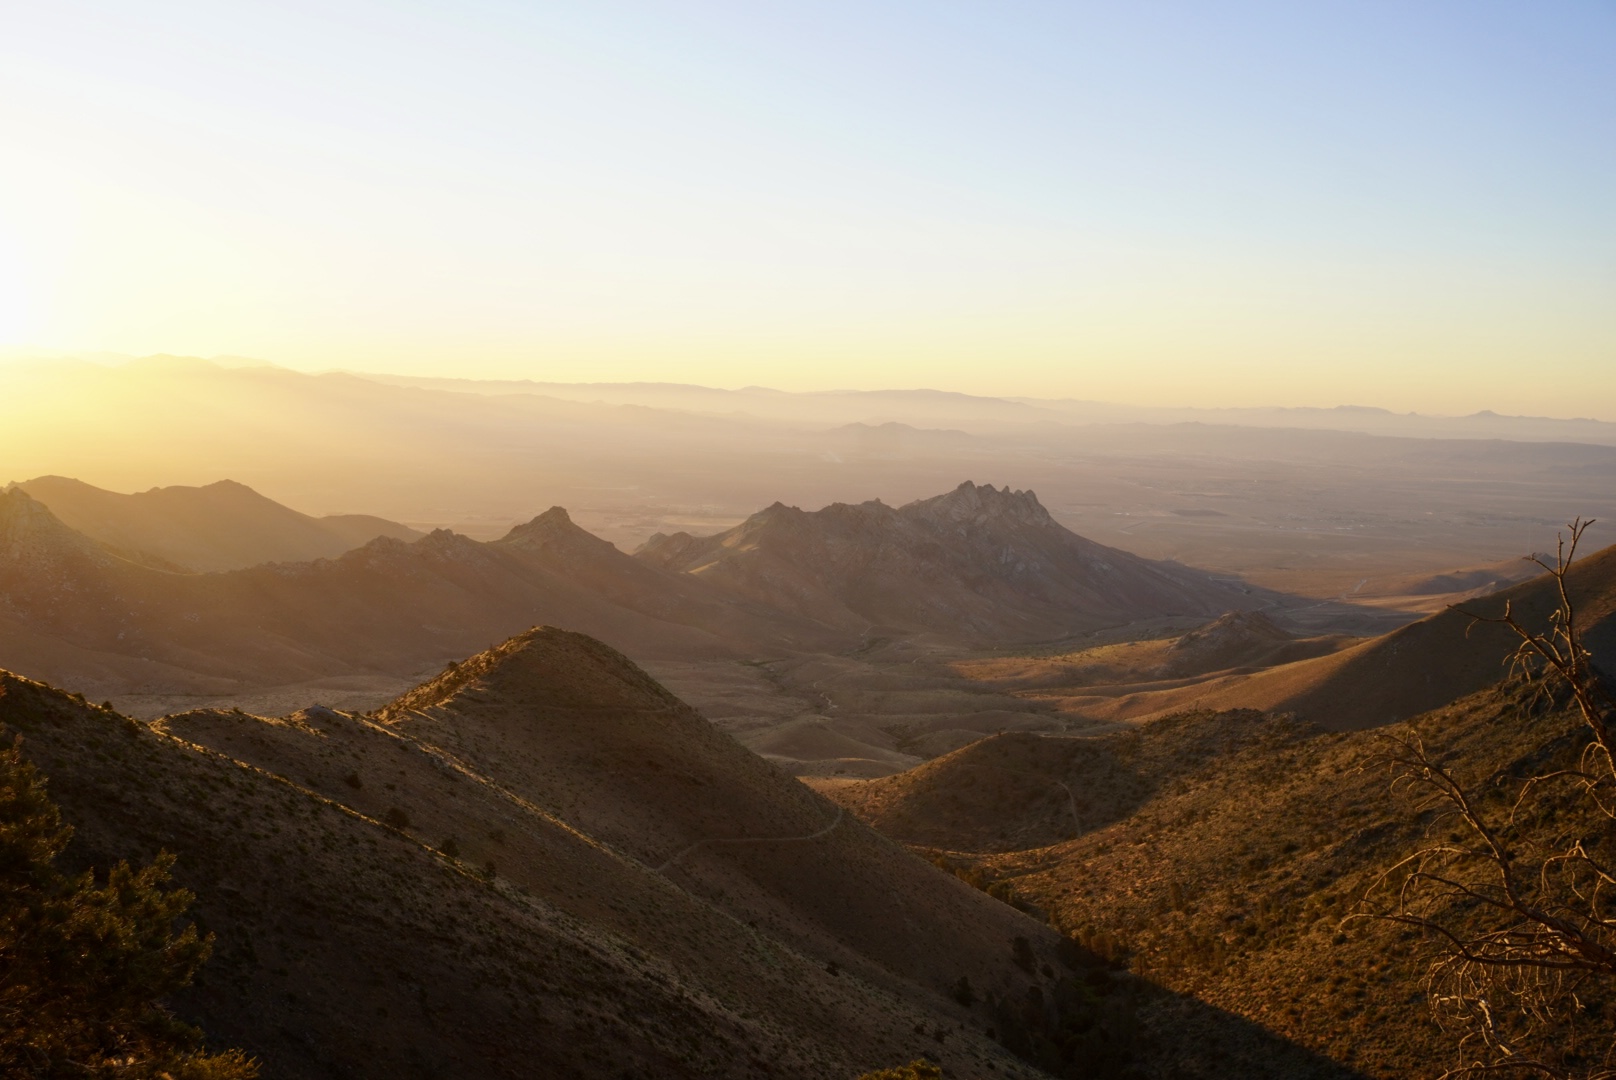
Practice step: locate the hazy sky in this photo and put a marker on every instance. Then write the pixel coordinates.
(1408, 204)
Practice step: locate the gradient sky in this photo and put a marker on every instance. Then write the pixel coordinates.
(1407, 204)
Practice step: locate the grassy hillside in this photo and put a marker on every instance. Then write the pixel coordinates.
(1222, 855)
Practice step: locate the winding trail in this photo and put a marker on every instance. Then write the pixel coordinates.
(1071, 804)
(826, 831)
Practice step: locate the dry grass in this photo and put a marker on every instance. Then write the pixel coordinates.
(508, 920)
(1222, 855)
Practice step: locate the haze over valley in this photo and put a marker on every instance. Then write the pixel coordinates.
(835, 541)
(719, 774)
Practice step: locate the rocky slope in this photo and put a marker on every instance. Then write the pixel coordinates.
(540, 864)
(73, 612)
(978, 564)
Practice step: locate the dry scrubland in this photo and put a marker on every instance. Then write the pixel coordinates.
(1222, 856)
(539, 862)
(1226, 856)
(542, 863)
(511, 872)
(1351, 684)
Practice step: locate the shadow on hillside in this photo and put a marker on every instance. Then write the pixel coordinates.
(1182, 1038)
(1023, 790)
(1095, 1022)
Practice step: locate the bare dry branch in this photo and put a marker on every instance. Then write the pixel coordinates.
(1517, 907)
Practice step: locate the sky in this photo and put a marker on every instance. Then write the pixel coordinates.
(1409, 204)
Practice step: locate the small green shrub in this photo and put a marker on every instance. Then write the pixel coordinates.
(919, 1069)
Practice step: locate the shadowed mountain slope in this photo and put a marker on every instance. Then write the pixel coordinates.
(74, 612)
(1025, 790)
(566, 722)
(222, 526)
(977, 564)
(623, 891)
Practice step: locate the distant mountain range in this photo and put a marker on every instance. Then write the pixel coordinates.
(973, 565)
(1240, 492)
(222, 526)
(73, 611)
(929, 407)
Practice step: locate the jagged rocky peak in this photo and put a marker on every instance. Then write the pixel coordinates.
(447, 542)
(442, 543)
(17, 505)
(553, 529)
(662, 547)
(776, 511)
(971, 502)
(554, 520)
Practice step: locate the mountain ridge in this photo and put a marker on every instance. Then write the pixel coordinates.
(391, 903)
(391, 606)
(977, 562)
(224, 525)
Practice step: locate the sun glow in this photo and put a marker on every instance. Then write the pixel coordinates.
(1094, 204)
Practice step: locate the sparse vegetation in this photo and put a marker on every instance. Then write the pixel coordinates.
(86, 962)
(1514, 887)
(1021, 952)
(919, 1069)
(1227, 882)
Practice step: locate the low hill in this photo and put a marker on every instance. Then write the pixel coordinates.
(1477, 579)
(1023, 790)
(977, 564)
(221, 526)
(1233, 642)
(74, 612)
(540, 864)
